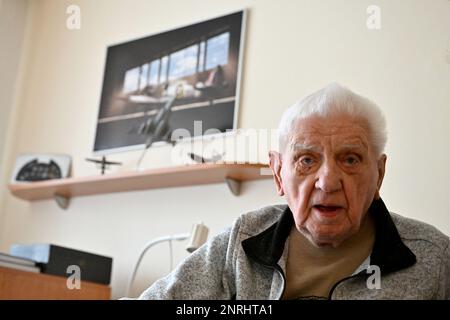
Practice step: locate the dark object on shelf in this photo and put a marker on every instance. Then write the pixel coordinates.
(40, 167)
(103, 163)
(55, 260)
(37, 171)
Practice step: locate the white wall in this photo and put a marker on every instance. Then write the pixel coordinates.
(293, 48)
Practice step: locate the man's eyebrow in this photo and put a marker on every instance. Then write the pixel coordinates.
(353, 146)
(304, 147)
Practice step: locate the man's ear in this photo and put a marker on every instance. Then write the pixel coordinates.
(381, 169)
(275, 164)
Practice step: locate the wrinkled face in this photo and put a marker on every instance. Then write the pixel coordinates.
(330, 174)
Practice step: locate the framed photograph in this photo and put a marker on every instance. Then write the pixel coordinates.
(186, 75)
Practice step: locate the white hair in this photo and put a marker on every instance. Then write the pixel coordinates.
(335, 100)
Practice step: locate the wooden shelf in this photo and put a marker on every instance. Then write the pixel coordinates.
(63, 189)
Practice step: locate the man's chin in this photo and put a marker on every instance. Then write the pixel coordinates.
(327, 243)
(325, 237)
(326, 240)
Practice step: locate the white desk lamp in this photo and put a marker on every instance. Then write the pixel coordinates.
(198, 237)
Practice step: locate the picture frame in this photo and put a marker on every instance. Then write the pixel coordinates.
(198, 66)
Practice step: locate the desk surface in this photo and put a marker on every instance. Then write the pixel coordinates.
(22, 285)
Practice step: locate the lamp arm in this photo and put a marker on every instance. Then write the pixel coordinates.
(179, 237)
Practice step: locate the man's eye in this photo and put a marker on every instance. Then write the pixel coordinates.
(351, 160)
(307, 161)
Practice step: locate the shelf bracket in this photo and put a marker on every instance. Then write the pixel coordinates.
(62, 201)
(234, 185)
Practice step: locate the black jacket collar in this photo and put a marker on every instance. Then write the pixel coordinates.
(389, 252)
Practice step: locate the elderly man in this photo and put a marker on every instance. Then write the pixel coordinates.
(335, 239)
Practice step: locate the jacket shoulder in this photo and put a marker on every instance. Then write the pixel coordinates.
(414, 230)
(256, 221)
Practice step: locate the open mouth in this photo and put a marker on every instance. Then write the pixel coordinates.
(327, 209)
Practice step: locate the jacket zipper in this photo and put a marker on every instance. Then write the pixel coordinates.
(359, 274)
(280, 271)
(276, 267)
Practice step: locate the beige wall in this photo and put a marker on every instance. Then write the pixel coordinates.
(12, 25)
(13, 18)
(292, 49)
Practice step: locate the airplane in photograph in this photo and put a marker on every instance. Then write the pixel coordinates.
(157, 128)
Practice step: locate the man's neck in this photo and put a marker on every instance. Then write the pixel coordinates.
(312, 270)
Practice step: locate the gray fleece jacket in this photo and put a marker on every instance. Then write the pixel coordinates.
(247, 261)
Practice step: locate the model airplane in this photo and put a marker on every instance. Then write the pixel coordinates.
(200, 159)
(103, 163)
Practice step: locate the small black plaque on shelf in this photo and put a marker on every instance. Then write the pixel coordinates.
(38, 167)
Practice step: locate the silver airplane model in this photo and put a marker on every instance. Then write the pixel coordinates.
(200, 159)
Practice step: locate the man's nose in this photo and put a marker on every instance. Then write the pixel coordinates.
(329, 178)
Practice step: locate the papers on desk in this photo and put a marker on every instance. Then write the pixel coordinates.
(13, 262)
